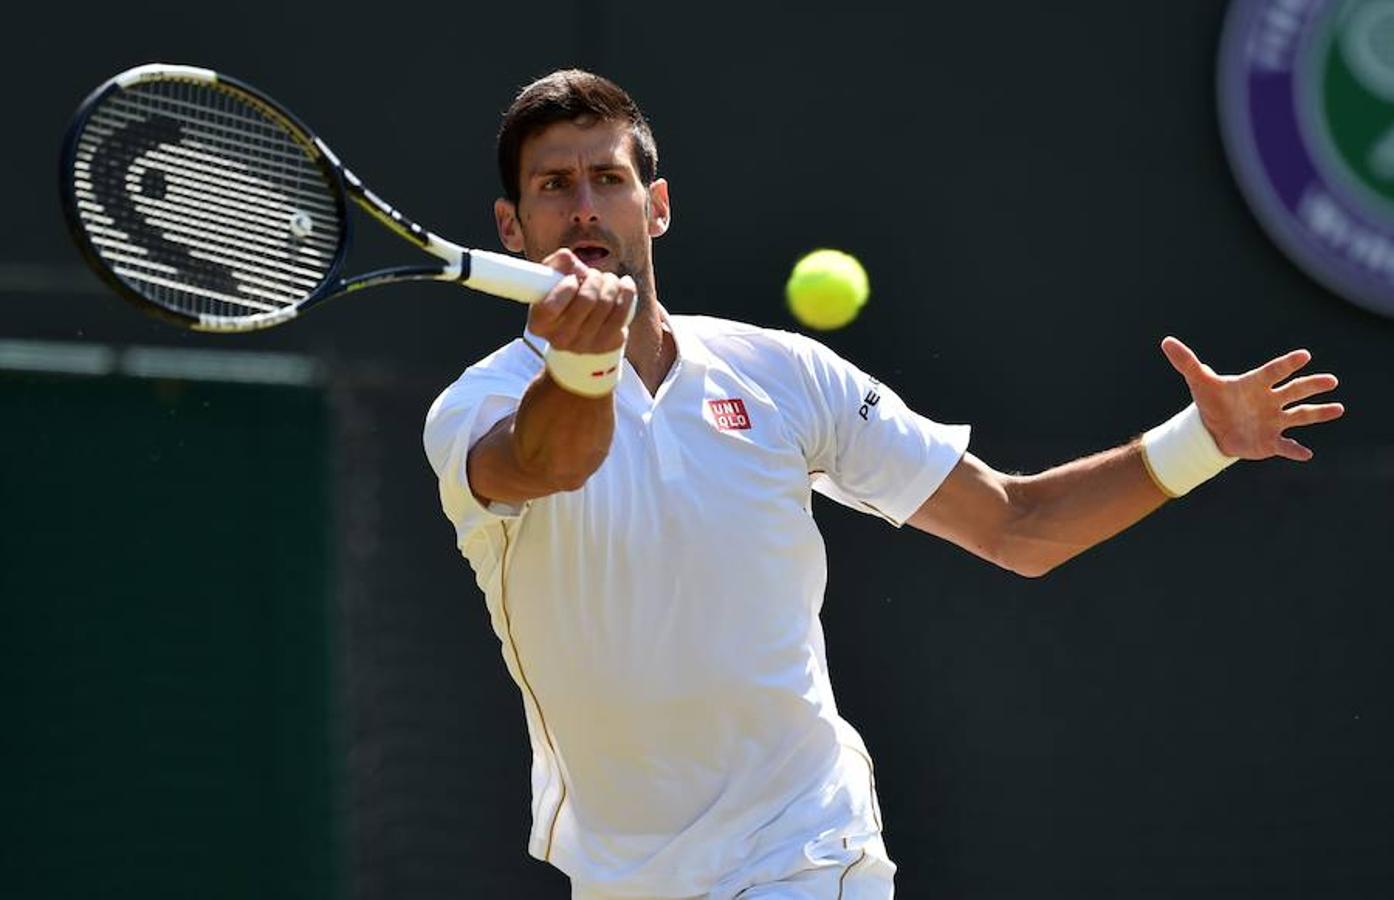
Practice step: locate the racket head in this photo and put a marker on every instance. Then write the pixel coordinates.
(201, 200)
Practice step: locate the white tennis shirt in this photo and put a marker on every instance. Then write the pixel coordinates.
(662, 621)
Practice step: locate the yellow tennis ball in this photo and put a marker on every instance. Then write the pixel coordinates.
(827, 289)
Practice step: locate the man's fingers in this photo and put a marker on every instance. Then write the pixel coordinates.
(568, 330)
(1183, 360)
(1276, 370)
(597, 332)
(1308, 386)
(566, 262)
(629, 293)
(546, 312)
(621, 301)
(587, 311)
(1311, 413)
(1290, 449)
(595, 321)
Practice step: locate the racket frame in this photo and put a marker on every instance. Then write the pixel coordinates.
(494, 273)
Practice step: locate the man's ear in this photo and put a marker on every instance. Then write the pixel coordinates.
(660, 210)
(506, 219)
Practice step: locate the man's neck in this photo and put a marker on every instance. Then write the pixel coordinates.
(651, 349)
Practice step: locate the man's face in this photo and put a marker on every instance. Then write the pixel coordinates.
(579, 188)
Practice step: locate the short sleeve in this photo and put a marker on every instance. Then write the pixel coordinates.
(458, 418)
(866, 448)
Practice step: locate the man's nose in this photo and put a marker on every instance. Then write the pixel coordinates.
(584, 210)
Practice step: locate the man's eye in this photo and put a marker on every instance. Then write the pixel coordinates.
(609, 178)
(552, 184)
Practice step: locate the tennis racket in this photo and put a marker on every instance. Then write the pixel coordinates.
(206, 203)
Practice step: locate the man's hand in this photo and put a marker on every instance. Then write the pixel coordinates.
(587, 312)
(1247, 414)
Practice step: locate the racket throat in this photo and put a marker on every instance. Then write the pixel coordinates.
(456, 258)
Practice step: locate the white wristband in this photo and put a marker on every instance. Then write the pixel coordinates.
(1180, 453)
(587, 374)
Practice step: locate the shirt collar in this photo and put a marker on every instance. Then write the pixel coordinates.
(691, 350)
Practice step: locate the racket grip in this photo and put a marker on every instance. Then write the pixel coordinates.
(508, 276)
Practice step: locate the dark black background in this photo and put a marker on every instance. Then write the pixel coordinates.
(1040, 194)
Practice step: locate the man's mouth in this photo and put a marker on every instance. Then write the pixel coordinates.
(590, 254)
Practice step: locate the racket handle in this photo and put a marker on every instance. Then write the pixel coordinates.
(508, 276)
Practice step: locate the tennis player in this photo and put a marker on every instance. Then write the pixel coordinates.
(633, 490)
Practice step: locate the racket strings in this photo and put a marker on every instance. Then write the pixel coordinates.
(203, 202)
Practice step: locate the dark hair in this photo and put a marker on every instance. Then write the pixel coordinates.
(565, 96)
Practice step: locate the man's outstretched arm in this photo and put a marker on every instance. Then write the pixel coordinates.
(1033, 523)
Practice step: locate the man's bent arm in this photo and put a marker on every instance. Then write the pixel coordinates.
(557, 438)
(553, 442)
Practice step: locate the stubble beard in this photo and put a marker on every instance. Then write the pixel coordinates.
(644, 288)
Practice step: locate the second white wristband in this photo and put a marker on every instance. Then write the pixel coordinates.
(1181, 454)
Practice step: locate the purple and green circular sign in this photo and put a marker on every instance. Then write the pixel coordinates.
(1307, 111)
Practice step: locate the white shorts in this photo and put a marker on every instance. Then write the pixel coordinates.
(865, 873)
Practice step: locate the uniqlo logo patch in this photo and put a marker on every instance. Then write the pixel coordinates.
(729, 415)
